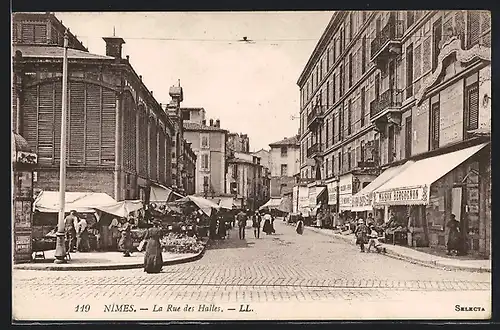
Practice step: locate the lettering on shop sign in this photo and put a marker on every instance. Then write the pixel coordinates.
(345, 200)
(363, 200)
(346, 187)
(402, 195)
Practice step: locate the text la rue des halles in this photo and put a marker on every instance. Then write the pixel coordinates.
(120, 308)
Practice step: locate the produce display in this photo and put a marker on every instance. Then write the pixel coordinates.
(180, 243)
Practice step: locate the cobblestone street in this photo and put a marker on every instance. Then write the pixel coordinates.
(284, 267)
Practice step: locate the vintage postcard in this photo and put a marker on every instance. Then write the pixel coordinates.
(292, 165)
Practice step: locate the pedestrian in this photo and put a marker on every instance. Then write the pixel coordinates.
(373, 240)
(70, 224)
(361, 233)
(242, 222)
(268, 227)
(114, 227)
(300, 225)
(370, 220)
(125, 243)
(256, 224)
(153, 259)
(82, 236)
(454, 240)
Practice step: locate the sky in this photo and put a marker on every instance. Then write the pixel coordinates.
(251, 87)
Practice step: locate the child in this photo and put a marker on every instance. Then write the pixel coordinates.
(374, 240)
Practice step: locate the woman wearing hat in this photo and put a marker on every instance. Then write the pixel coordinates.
(153, 260)
(361, 233)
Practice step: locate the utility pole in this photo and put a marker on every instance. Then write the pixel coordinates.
(60, 253)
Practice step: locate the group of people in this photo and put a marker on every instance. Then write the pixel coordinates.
(367, 234)
(257, 217)
(76, 233)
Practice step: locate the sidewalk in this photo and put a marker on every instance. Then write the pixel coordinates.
(104, 261)
(411, 255)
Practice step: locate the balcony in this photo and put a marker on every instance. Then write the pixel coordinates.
(315, 117)
(387, 42)
(313, 150)
(386, 108)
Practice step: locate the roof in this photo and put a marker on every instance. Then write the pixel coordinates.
(286, 142)
(56, 52)
(199, 127)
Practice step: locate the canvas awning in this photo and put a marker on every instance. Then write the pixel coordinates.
(411, 186)
(204, 204)
(48, 201)
(363, 200)
(286, 204)
(228, 203)
(273, 203)
(159, 194)
(121, 209)
(315, 194)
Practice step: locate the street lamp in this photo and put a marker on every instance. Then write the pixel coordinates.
(60, 253)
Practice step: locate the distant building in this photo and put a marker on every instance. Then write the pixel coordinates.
(265, 158)
(237, 143)
(246, 180)
(209, 144)
(284, 163)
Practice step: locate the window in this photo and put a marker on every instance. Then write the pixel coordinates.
(334, 49)
(434, 123)
(333, 129)
(205, 181)
(341, 82)
(341, 42)
(205, 141)
(437, 32)
(321, 70)
(326, 133)
(350, 71)
(205, 162)
(317, 76)
(473, 28)
(333, 88)
(471, 108)
(284, 170)
(391, 145)
(328, 59)
(349, 128)
(341, 124)
(186, 115)
(328, 93)
(284, 151)
(363, 107)
(327, 172)
(340, 162)
(362, 151)
(409, 71)
(410, 18)
(408, 137)
(363, 54)
(349, 160)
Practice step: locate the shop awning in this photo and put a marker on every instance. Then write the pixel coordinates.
(273, 203)
(315, 194)
(228, 203)
(48, 201)
(121, 209)
(286, 204)
(363, 200)
(159, 194)
(411, 186)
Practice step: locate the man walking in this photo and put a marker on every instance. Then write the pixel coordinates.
(242, 222)
(70, 224)
(256, 224)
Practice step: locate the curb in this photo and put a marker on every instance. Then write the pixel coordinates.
(395, 255)
(52, 267)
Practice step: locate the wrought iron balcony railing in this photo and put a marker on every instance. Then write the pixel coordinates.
(390, 32)
(316, 115)
(313, 150)
(391, 98)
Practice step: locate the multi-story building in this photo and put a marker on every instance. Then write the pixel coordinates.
(237, 143)
(188, 173)
(246, 180)
(119, 137)
(209, 144)
(284, 160)
(412, 88)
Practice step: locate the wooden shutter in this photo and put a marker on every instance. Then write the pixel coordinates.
(30, 114)
(40, 33)
(57, 120)
(143, 143)
(76, 127)
(473, 104)
(108, 128)
(93, 124)
(473, 26)
(46, 123)
(408, 136)
(435, 126)
(161, 155)
(27, 33)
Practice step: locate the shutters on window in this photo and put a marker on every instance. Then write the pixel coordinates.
(93, 119)
(153, 149)
(76, 127)
(40, 33)
(143, 143)
(435, 126)
(57, 120)
(45, 123)
(473, 27)
(27, 33)
(408, 136)
(108, 128)
(30, 117)
(473, 104)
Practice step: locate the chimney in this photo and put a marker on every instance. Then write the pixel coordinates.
(114, 46)
(211, 122)
(204, 122)
(217, 123)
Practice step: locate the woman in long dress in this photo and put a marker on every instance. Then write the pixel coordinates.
(267, 228)
(454, 239)
(153, 259)
(300, 225)
(125, 243)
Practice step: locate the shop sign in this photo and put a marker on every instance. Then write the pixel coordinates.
(23, 244)
(303, 198)
(362, 200)
(403, 196)
(345, 185)
(345, 201)
(23, 157)
(332, 193)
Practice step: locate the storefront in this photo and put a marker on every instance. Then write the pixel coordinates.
(23, 164)
(317, 197)
(332, 187)
(303, 201)
(345, 197)
(431, 190)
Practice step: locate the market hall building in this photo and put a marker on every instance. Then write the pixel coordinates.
(425, 99)
(120, 140)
